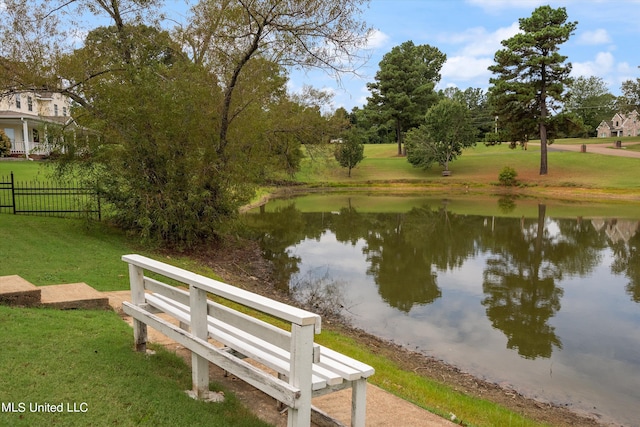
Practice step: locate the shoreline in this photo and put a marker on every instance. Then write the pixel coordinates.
(243, 265)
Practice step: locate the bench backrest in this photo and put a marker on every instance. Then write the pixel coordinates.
(257, 302)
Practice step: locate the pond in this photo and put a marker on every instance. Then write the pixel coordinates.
(539, 296)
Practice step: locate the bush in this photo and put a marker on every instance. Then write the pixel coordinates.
(508, 176)
(5, 144)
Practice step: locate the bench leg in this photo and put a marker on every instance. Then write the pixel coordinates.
(359, 403)
(301, 372)
(199, 365)
(140, 335)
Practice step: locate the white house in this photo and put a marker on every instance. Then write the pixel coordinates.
(24, 117)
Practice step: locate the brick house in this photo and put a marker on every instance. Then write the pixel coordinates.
(24, 117)
(620, 125)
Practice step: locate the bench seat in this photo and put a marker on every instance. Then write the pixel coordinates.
(330, 368)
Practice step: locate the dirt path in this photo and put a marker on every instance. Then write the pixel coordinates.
(606, 149)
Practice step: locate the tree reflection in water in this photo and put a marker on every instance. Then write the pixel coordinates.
(405, 252)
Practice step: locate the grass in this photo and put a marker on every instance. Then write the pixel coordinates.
(424, 392)
(479, 167)
(86, 357)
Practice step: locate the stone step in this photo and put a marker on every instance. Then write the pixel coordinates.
(73, 296)
(16, 291)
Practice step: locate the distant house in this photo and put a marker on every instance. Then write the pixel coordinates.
(24, 117)
(620, 125)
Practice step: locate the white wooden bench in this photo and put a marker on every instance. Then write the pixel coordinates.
(302, 368)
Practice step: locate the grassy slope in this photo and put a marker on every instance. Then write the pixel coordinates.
(75, 357)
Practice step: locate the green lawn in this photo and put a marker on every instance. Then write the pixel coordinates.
(24, 170)
(480, 166)
(84, 359)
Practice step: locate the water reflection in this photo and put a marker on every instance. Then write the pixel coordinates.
(625, 242)
(515, 297)
(526, 258)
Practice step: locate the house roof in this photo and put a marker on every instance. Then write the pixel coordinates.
(12, 115)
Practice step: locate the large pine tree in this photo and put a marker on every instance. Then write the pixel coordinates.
(530, 75)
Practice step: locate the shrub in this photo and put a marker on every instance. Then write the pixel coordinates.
(508, 176)
(5, 144)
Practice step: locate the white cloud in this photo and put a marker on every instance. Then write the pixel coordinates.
(465, 68)
(601, 66)
(596, 37)
(376, 39)
(477, 41)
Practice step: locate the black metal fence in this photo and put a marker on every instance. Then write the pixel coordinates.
(48, 198)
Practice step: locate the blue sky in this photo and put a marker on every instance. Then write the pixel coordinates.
(605, 43)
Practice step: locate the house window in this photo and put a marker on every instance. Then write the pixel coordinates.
(18, 103)
(36, 135)
(617, 124)
(55, 109)
(29, 103)
(64, 111)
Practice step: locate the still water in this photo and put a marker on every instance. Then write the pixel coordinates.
(542, 297)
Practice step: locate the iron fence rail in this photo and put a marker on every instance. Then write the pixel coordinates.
(48, 198)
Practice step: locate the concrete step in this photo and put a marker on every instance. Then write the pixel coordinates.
(73, 296)
(16, 291)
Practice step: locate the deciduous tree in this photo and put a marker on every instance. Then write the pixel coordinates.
(350, 151)
(531, 74)
(447, 130)
(180, 137)
(589, 99)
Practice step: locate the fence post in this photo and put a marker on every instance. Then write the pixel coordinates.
(13, 194)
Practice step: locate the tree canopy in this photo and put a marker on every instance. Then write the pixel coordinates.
(404, 86)
(591, 101)
(446, 131)
(530, 76)
(181, 126)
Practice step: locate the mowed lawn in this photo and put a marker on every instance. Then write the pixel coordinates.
(479, 166)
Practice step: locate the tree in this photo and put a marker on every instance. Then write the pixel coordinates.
(228, 34)
(350, 151)
(589, 99)
(184, 125)
(447, 130)
(531, 75)
(404, 86)
(630, 98)
(475, 99)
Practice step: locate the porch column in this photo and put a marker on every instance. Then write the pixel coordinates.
(25, 137)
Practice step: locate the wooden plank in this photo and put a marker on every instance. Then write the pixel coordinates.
(248, 344)
(332, 355)
(168, 291)
(232, 293)
(280, 390)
